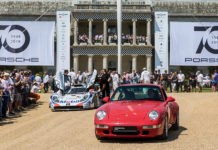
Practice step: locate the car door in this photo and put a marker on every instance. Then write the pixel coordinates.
(170, 108)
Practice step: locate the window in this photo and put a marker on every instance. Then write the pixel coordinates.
(137, 92)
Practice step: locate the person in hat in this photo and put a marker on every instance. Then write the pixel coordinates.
(38, 80)
(7, 103)
(145, 76)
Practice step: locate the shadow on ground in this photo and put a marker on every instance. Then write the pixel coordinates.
(12, 119)
(173, 135)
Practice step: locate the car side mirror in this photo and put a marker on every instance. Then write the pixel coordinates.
(170, 99)
(106, 99)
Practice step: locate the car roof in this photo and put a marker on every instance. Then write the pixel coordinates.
(141, 84)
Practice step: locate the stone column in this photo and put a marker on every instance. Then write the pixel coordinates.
(134, 30)
(75, 32)
(148, 32)
(76, 62)
(134, 62)
(105, 31)
(90, 31)
(105, 61)
(90, 63)
(148, 62)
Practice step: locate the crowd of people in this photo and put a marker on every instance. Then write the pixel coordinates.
(173, 81)
(112, 38)
(83, 38)
(17, 86)
(127, 38)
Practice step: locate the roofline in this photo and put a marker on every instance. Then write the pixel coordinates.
(141, 85)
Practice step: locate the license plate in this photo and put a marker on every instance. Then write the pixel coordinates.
(125, 129)
(67, 104)
(119, 128)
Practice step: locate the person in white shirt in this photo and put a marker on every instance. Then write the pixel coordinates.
(200, 78)
(73, 76)
(145, 76)
(11, 82)
(45, 81)
(115, 80)
(38, 80)
(35, 88)
(79, 77)
(181, 78)
(85, 75)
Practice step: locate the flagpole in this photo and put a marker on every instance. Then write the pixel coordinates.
(119, 26)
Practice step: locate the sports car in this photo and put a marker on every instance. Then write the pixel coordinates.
(81, 96)
(76, 98)
(137, 111)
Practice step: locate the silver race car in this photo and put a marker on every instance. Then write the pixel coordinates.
(82, 96)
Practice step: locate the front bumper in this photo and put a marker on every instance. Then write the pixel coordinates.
(108, 130)
(78, 106)
(67, 108)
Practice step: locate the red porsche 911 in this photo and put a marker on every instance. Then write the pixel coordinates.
(137, 111)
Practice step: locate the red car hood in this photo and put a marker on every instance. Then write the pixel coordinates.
(131, 110)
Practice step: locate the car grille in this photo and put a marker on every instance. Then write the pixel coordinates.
(125, 130)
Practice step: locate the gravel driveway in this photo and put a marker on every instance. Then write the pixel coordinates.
(37, 128)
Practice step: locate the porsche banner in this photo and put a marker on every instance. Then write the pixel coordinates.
(27, 43)
(194, 43)
(63, 40)
(161, 41)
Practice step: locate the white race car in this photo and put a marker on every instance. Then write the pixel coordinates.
(83, 96)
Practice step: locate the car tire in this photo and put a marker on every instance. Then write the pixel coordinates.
(164, 136)
(176, 125)
(98, 137)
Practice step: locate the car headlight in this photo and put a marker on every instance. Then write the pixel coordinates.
(101, 114)
(153, 115)
(55, 99)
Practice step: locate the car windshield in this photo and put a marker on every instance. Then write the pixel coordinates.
(77, 90)
(138, 92)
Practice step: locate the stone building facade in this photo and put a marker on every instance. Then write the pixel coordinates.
(97, 21)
